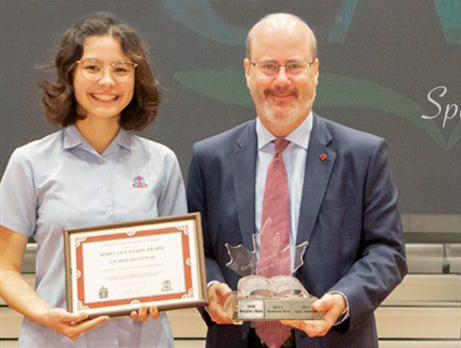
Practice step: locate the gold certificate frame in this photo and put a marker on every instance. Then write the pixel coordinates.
(115, 269)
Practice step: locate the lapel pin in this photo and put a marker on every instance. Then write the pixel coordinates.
(323, 157)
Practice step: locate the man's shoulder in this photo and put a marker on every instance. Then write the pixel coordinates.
(224, 141)
(347, 135)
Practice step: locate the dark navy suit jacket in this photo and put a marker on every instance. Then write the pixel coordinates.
(348, 215)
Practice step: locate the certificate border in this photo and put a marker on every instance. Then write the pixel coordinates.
(73, 262)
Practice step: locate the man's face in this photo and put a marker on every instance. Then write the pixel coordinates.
(283, 100)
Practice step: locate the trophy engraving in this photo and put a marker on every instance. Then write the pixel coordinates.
(261, 298)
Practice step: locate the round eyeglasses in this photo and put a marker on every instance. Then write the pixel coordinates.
(272, 69)
(93, 69)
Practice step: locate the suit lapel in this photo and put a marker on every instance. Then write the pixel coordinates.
(244, 173)
(319, 164)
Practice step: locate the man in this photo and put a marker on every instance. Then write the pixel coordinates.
(342, 201)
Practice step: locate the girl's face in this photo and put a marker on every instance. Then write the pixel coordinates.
(102, 86)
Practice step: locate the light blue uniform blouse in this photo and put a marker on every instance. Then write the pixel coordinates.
(60, 182)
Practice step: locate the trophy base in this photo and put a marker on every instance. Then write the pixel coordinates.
(255, 308)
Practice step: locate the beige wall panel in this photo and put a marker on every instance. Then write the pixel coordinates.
(187, 323)
(420, 344)
(426, 288)
(10, 323)
(419, 323)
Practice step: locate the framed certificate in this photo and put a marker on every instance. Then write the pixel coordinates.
(114, 269)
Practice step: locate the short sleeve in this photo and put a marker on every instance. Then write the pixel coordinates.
(18, 199)
(173, 198)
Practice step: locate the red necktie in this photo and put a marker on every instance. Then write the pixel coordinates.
(276, 207)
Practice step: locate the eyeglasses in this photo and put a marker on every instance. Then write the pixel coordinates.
(93, 69)
(272, 69)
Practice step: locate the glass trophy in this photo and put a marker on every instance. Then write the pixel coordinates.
(281, 297)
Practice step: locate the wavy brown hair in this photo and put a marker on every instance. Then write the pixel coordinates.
(58, 96)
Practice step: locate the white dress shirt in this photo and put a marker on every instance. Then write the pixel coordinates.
(294, 157)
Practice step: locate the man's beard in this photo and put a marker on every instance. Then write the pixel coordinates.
(271, 110)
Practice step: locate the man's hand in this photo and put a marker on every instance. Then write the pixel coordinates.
(331, 306)
(144, 312)
(217, 296)
(69, 324)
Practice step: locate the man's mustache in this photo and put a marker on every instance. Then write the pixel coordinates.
(281, 91)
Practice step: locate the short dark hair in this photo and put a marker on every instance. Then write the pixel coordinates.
(58, 96)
